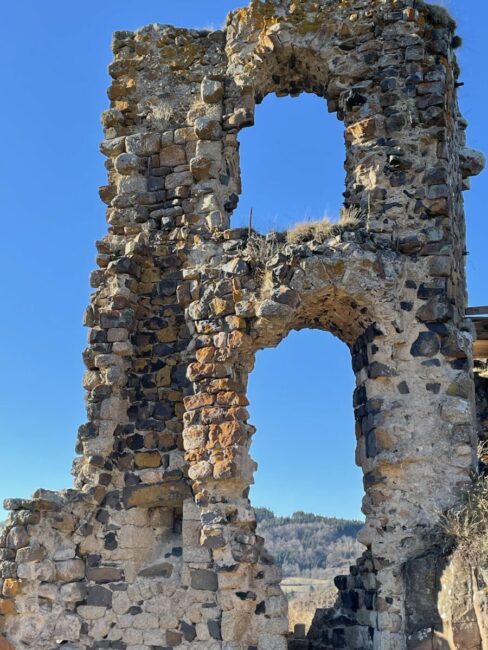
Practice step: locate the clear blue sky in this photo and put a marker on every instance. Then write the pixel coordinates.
(54, 56)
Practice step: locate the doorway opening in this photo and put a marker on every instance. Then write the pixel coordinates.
(308, 490)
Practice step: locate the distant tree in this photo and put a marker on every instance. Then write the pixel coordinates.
(263, 514)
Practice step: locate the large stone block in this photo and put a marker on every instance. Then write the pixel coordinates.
(161, 495)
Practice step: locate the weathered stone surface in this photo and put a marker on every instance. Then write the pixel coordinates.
(200, 167)
(212, 90)
(70, 570)
(203, 579)
(99, 597)
(143, 144)
(147, 459)
(127, 163)
(172, 156)
(7, 607)
(73, 592)
(426, 345)
(17, 538)
(11, 587)
(166, 495)
(162, 569)
(207, 128)
(104, 574)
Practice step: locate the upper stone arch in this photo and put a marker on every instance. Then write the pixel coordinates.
(271, 50)
(336, 50)
(333, 286)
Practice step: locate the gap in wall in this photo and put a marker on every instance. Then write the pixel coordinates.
(292, 164)
(300, 397)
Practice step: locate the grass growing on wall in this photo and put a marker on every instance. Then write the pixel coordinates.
(466, 525)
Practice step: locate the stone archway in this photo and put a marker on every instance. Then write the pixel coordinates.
(392, 144)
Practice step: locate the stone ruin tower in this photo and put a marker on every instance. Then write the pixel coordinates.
(156, 546)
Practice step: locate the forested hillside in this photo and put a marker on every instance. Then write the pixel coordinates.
(311, 551)
(309, 545)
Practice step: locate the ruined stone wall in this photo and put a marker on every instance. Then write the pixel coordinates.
(156, 545)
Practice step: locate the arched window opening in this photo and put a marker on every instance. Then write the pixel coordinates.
(292, 164)
(307, 491)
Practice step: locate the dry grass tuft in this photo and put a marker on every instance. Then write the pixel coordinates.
(324, 229)
(466, 526)
(307, 230)
(260, 249)
(350, 216)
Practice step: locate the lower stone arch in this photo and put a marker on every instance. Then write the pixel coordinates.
(333, 288)
(342, 286)
(304, 440)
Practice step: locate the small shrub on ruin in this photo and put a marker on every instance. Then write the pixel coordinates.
(438, 14)
(260, 249)
(465, 527)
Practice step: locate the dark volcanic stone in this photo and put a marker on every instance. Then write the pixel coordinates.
(203, 579)
(426, 345)
(214, 630)
(188, 630)
(99, 597)
(380, 370)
